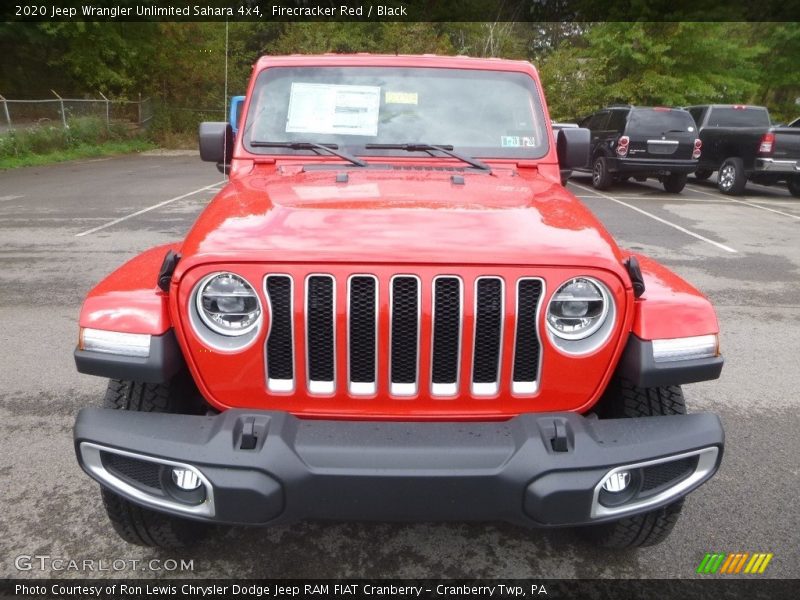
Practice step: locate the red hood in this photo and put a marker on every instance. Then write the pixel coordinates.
(399, 216)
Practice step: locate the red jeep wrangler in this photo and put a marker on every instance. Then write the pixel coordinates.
(395, 311)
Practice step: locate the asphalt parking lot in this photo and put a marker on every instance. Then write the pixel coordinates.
(64, 227)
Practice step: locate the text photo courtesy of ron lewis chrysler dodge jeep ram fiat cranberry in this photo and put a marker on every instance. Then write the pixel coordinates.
(395, 311)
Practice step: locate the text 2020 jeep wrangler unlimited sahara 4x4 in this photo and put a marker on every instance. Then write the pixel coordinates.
(369, 323)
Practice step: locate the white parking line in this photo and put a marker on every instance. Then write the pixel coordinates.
(726, 199)
(662, 198)
(659, 219)
(7, 198)
(149, 208)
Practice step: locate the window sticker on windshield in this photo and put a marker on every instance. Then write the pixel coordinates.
(402, 98)
(334, 109)
(515, 141)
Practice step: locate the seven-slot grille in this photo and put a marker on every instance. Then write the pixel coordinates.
(407, 303)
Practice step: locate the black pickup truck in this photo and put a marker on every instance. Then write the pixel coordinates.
(740, 143)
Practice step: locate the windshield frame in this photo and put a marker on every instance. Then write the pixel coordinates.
(538, 118)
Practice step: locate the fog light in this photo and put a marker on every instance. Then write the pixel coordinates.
(617, 482)
(185, 479)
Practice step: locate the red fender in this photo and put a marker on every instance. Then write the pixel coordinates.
(670, 307)
(128, 300)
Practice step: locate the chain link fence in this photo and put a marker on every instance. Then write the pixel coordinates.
(58, 111)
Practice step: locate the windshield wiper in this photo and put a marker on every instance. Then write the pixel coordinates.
(447, 149)
(332, 148)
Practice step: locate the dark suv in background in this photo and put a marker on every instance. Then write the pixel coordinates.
(642, 142)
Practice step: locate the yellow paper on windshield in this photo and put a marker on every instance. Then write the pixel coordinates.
(402, 98)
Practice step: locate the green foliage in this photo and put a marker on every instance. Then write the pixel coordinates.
(672, 64)
(47, 140)
(182, 65)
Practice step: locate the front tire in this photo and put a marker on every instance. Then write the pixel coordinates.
(674, 183)
(794, 186)
(731, 178)
(601, 178)
(133, 523)
(623, 399)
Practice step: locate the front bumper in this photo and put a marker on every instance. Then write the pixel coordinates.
(535, 469)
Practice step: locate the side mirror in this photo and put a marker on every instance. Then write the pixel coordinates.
(237, 103)
(216, 143)
(573, 147)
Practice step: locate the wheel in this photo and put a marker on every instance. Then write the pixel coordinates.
(702, 174)
(674, 183)
(732, 179)
(648, 529)
(601, 178)
(794, 186)
(133, 523)
(623, 399)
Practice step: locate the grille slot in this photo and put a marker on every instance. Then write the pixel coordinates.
(280, 344)
(488, 336)
(138, 472)
(527, 345)
(404, 346)
(446, 344)
(662, 475)
(320, 334)
(362, 333)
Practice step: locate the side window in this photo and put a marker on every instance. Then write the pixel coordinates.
(598, 121)
(585, 122)
(697, 115)
(617, 120)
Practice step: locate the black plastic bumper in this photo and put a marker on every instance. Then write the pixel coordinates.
(535, 469)
(651, 165)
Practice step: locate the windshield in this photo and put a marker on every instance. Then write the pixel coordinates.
(478, 113)
(653, 121)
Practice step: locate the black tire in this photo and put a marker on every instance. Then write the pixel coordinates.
(601, 178)
(143, 527)
(133, 523)
(675, 182)
(640, 178)
(623, 399)
(638, 531)
(702, 174)
(794, 186)
(731, 178)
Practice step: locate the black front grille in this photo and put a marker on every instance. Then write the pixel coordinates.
(527, 345)
(320, 328)
(453, 316)
(488, 330)
(280, 364)
(446, 329)
(405, 329)
(666, 474)
(135, 471)
(362, 328)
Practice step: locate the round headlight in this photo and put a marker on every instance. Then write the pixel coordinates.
(228, 304)
(577, 309)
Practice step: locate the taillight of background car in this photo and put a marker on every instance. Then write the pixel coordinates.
(767, 143)
(698, 146)
(622, 146)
